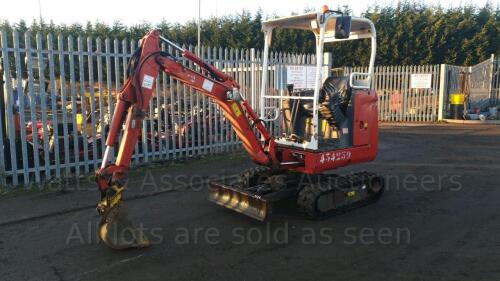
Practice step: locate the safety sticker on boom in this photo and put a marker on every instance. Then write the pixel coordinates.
(208, 85)
(236, 109)
(148, 81)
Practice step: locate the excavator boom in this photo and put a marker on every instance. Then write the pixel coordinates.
(133, 102)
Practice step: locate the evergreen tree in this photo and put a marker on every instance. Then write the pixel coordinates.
(408, 33)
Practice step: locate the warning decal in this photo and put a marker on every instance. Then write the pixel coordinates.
(236, 109)
(148, 81)
(208, 85)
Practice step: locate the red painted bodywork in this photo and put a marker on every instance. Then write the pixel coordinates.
(215, 84)
(365, 141)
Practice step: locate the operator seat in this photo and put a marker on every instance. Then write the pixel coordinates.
(334, 99)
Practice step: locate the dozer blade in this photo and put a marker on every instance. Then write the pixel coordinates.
(118, 232)
(239, 200)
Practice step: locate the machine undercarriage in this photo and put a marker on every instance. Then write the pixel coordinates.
(318, 196)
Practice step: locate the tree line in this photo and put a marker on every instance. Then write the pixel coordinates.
(410, 33)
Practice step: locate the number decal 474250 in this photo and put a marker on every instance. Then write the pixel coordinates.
(334, 156)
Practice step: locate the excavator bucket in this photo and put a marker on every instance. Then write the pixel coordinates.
(239, 200)
(118, 232)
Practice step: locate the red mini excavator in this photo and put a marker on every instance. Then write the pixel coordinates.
(326, 121)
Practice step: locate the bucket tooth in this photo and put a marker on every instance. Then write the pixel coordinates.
(239, 201)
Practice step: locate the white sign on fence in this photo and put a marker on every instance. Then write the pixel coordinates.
(301, 76)
(421, 81)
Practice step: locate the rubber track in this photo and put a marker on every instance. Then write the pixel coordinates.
(310, 194)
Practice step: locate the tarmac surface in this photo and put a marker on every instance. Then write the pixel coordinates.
(437, 220)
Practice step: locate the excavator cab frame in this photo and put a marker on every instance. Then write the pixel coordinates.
(328, 27)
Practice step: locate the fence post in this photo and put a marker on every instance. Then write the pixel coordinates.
(252, 79)
(2, 130)
(442, 89)
(9, 108)
(493, 102)
(327, 64)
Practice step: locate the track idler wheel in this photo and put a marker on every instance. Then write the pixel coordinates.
(116, 230)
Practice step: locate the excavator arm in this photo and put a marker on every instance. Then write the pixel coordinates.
(133, 101)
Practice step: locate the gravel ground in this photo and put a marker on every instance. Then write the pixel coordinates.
(438, 220)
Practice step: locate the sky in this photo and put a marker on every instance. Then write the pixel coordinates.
(154, 11)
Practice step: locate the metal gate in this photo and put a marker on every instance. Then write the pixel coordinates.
(482, 86)
(481, 78)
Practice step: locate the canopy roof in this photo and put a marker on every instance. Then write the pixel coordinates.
(360, 27)
(292, 22)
